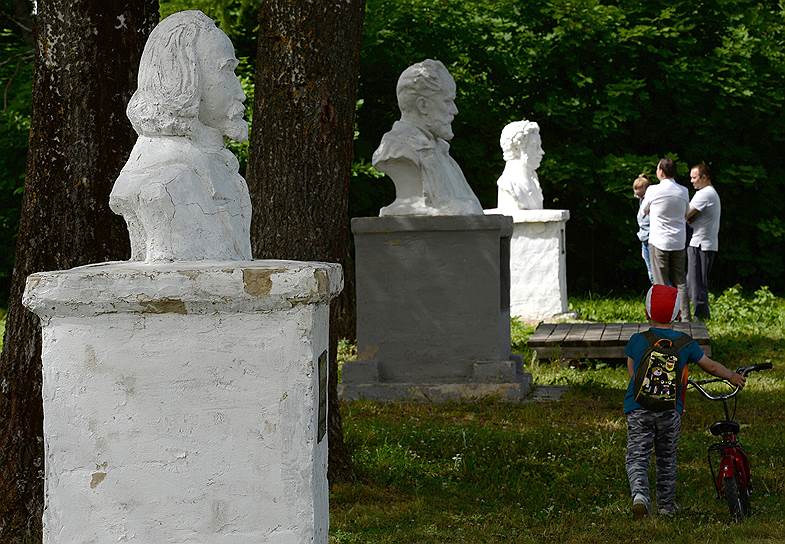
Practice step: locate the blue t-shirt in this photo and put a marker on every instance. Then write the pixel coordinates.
(637, 346)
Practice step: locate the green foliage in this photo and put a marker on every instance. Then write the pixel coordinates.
(519, 334)
(759, 313)
(613, 86)
(16, 75)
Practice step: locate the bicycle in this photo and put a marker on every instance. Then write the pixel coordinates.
(732, 480)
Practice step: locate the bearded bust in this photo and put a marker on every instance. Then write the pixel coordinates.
(180, 192)
(416, 151)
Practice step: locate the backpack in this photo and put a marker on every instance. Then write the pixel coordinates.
(657, 380)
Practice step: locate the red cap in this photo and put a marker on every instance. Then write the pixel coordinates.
(662, 303)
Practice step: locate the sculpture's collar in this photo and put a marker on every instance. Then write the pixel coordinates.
(207, 138)
(420, 136)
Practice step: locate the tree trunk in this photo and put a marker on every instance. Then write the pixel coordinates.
(87, 56)
(301, 153)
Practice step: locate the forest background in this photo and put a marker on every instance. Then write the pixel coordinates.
(613, 85)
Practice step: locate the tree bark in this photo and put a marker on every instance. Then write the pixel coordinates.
(87, 56)
(301, 153)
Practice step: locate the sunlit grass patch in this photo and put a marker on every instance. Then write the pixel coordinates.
(490, 472)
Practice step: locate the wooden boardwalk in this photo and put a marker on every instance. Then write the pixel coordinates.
(599, 340)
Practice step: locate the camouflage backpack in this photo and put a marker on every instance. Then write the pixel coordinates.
(657, 379)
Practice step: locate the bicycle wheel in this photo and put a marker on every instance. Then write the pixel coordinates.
(734, 499)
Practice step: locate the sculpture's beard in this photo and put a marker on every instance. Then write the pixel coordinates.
(231, 124)
(234, 126)
(440, 129)
(236, 129)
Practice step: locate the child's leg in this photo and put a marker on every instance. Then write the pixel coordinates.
(640, 441)
(647, 260)
(668, 428)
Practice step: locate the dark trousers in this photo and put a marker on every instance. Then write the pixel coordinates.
(699, 265)
(658, 431)
(670, 268)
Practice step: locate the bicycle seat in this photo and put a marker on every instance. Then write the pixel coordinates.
(724, 427)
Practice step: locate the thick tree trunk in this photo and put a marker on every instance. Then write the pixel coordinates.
(301, 153)
(87, 56)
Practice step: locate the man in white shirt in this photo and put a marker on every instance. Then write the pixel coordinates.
(704, 216)
(666, 204)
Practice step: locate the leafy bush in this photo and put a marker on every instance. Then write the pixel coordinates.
(519, 335)
(760, 312)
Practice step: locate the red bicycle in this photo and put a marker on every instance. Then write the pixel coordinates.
(732, 479)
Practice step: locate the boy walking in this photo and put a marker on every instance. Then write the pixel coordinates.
(657, 362)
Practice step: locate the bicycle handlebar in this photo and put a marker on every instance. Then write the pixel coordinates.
(744, 370)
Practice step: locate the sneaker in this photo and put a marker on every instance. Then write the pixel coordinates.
(640, 506)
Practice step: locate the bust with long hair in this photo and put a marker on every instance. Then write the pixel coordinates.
(180, 192)
(519, 186)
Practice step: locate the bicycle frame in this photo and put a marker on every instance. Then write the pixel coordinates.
(733, 463)
(732, 480)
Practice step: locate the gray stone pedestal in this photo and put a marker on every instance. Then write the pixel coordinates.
(433, 310)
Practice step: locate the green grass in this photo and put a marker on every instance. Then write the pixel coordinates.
(554, 472)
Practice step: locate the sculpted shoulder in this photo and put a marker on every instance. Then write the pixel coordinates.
(152, 153)
(403, 141)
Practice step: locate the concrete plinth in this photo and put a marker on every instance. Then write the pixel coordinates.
(433, 316)
(538, 263)
(185, 402)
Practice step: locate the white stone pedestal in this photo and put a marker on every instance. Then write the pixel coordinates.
(185, 402)
(538, 263)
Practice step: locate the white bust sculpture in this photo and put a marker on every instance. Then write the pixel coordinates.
(180, 192)
(416, 153)
(519, 187)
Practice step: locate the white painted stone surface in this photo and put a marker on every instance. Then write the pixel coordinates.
(519, 186)
(180, 192)
(416, 152)
(538, 263)
(181, 401)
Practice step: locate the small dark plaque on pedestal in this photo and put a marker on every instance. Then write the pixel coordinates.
(323, 371)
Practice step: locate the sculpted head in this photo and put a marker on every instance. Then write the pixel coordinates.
(186, 78)
(426, 97)
(520, 140)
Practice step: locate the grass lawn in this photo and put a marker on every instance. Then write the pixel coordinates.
(554, 472)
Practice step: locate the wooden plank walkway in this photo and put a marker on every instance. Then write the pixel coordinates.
(599, 340)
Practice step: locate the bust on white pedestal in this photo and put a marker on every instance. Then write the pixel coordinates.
(538, 265)
(180, 192)
(519, 187)
(185, 391)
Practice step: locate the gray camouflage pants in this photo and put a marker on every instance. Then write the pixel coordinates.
(658, 431)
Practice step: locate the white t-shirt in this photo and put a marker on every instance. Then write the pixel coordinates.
(706, 225)
(667, 204)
